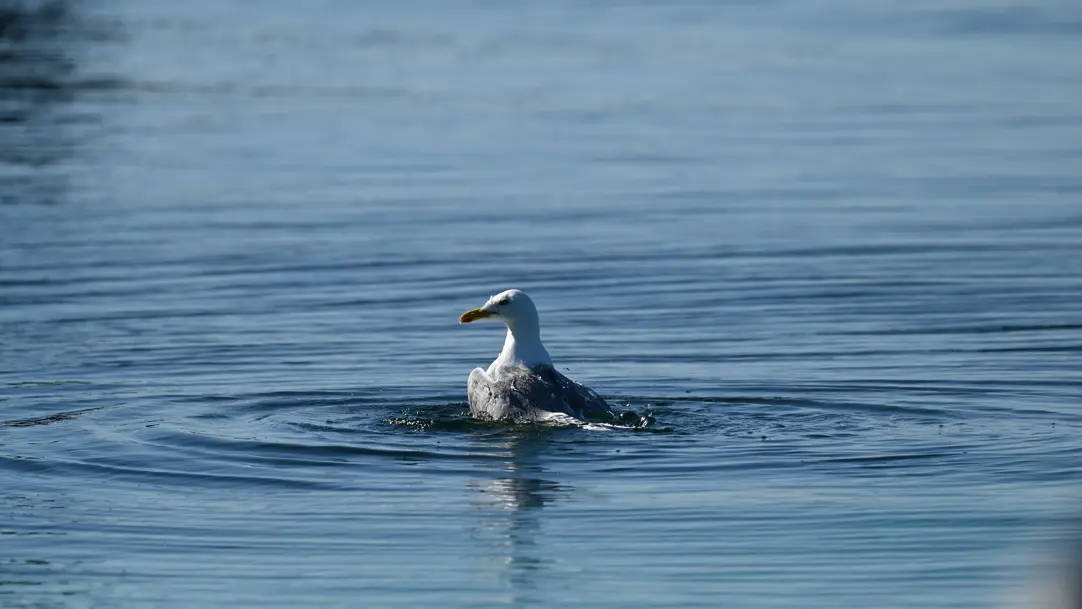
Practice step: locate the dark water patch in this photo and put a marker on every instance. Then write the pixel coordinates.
(891, 460)
(48, 419)
(128, 474)
(279, 401)
(463, 423)
(47, 383)
(1006, 20)
(986, 329)
(784, 405)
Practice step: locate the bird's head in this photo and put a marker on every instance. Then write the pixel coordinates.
(511, 307)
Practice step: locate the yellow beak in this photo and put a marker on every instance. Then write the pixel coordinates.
(473, 315)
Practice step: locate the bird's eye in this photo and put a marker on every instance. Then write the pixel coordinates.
(503, 301)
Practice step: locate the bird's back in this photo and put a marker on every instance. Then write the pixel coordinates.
(522, 394)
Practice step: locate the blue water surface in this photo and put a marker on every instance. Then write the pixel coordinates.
(825, 256)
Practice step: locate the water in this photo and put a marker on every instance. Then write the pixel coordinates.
(826, 256)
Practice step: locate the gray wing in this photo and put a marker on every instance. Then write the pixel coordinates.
(523, 394)
(582, 401)
(486, 401)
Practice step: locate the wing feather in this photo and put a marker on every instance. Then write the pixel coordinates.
(523, 394)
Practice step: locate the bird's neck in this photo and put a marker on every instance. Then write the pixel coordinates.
(523, 347)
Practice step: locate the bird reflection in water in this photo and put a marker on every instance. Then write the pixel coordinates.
(510, 503)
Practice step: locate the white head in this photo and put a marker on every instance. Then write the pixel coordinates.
(523, 343)
(512, 307)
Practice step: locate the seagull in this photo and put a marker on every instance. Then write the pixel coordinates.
(522, 385)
